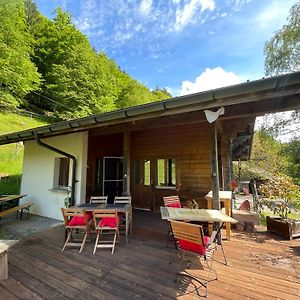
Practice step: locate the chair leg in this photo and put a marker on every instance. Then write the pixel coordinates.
(114, 242)
(225, 260)
(96, 243)
(84, 239)
(67, 239)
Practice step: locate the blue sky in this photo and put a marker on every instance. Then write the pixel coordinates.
(183, 45)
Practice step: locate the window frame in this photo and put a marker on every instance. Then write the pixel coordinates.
(61, 176)
(169, 173)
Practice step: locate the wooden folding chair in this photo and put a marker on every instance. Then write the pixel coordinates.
(78, 219)
(106, 221)
(190, 239)
(122, 200)
(99, 199)
(172, 201)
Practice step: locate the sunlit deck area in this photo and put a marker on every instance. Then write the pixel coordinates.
(260, 266)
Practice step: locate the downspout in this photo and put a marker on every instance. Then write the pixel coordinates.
(42, 144)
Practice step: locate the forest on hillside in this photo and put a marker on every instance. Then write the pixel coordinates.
(49, 67)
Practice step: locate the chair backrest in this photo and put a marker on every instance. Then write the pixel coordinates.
(122, 200)
(187, 232)
(69, 213)
(104, 213)
(99, 199)
(172, 201)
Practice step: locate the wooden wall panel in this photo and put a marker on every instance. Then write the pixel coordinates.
(190, 146)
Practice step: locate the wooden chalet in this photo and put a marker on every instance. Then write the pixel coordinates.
(152, 150)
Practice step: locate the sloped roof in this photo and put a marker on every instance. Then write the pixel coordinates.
(278, 87)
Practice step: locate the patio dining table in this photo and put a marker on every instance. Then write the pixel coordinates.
(122, 208)
(197, 215)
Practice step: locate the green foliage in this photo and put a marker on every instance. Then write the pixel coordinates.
(266, 158)
(161, 94)
(11, 155)
(291, 151)
(50, 67)
(77, 81)
(10, 185)
(283, 50)
(281, 195)
(18, 75)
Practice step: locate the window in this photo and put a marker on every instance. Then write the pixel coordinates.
(147, 172)
(166, 172)
(61, 172)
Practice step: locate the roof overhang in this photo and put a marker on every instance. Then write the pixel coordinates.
(254, 98)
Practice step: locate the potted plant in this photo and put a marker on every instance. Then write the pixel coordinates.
(282, 197)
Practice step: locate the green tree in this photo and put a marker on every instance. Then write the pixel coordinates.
(18, 75)
(283, 55)
(161, 94)
(284, 192)
(283, 50)
(291, 150)
(75, 82)
(266, 160)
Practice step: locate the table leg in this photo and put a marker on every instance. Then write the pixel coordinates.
(126, 225)
(210, 225)
(228, 213)
(130, 221)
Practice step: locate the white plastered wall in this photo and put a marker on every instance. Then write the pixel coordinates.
(38, 172)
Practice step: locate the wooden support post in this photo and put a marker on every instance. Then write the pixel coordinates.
(226, 164)
(126, 163)
(214, 167)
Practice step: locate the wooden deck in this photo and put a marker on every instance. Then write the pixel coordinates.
(260, 267)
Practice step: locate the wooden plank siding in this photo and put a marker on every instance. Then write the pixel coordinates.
(189, 145)
(260, 266)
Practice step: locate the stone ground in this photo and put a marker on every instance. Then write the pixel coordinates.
(12, 228)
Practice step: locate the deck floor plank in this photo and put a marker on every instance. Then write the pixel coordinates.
(19, 290)
(259, 267)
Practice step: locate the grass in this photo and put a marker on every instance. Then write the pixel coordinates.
(11, 155)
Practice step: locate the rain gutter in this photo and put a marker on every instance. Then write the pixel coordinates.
(74, 166)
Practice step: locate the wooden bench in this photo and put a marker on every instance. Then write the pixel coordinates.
(18, 209)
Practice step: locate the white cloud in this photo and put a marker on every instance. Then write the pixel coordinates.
(186, 15)
(145, 8)
(238, 4)
(82, 24)
(275, 13)
(209, 79)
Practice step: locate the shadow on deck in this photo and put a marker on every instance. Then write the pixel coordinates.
(260, 267)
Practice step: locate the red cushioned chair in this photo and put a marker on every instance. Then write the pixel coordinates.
(76, 218)
(190, 239)
(106, 221)
(172, 201)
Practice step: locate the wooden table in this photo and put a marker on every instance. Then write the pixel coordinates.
(225, 198)
(122, 208)
(8, 198)
(191, 214)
